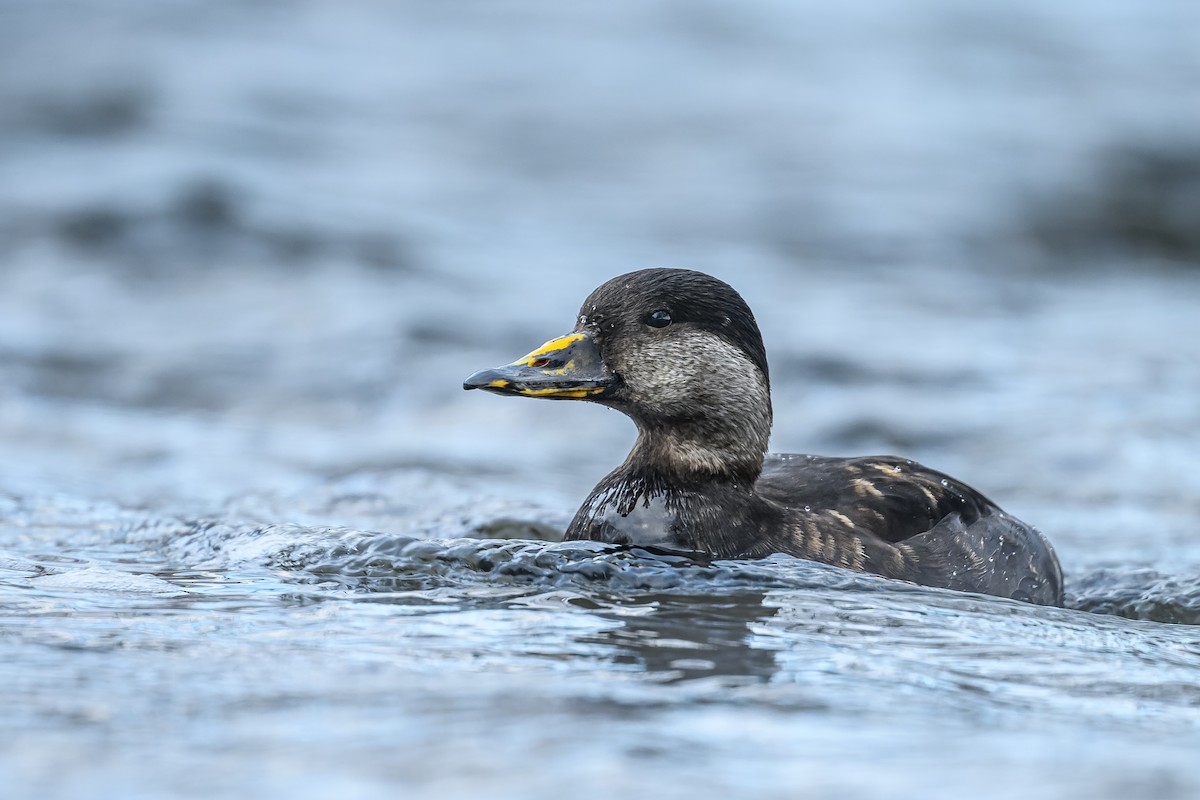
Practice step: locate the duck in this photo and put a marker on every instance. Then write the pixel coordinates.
(680, 353)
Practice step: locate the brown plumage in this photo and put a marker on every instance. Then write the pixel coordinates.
(680, 353)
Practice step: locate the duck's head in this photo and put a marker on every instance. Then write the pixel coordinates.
(679, 352)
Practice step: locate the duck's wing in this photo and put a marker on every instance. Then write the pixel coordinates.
(892, 497)
(996, 554)
(903, 520)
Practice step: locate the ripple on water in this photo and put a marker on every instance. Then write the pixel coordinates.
(849, 624)
(221, 613)
(1138, 594)
(372, 562)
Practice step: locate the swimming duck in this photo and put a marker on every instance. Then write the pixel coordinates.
(680, 353)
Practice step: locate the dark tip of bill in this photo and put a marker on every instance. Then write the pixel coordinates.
(485, 379)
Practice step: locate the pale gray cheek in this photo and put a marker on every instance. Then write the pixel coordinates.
(656, 378)
(672, 385)
(689, 369)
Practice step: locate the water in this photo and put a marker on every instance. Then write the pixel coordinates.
(256, 541)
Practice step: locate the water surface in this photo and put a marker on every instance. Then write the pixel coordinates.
(255, 540)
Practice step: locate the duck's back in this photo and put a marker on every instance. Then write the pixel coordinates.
(906, 521)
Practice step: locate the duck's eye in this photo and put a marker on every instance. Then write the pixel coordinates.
(658, 319)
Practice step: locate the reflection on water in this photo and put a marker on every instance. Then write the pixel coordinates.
(690, 637)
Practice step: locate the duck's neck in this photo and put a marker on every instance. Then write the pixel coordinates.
(687, 486)
(725, 443)
(690, 476)
(639, 504)
(696, 454)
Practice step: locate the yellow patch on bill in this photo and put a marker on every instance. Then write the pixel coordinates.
(549, 348)
(573, 394)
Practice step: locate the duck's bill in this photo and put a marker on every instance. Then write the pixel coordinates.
(566, 368)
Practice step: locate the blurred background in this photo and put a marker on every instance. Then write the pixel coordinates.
(249, 251)
(242, 242)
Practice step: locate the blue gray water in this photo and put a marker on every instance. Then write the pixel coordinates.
(256, 542)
